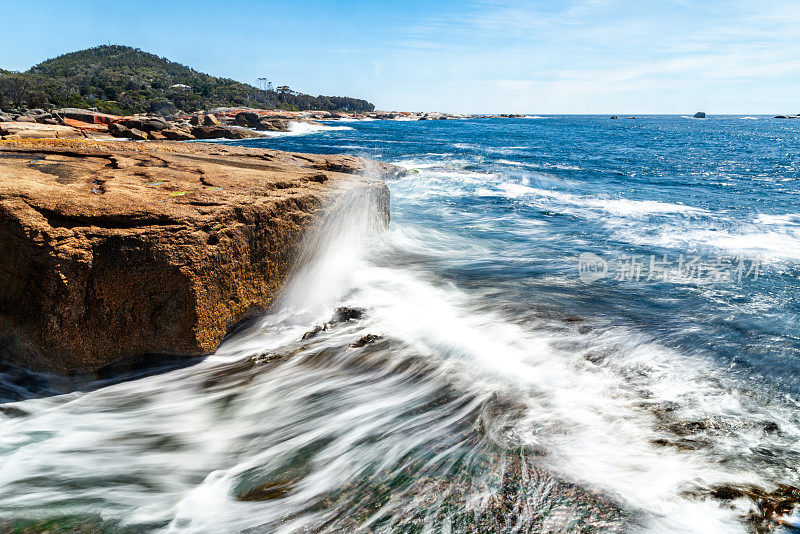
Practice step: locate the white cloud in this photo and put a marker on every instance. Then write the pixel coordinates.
(599, 54)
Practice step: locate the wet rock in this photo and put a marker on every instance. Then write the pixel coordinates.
(771, 427)
(270, 491)
(700, 115)
(772, 506)
(314, 331)
(365, 340)
(344, 314)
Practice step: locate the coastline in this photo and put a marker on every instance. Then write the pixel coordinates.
(119, 251)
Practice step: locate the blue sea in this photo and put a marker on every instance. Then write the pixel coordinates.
(579, 325)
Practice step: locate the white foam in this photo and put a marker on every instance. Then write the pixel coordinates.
(790, 219)
(304, 128)
(616, 206)
(541, 165)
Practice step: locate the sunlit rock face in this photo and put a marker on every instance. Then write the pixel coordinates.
(116, 252)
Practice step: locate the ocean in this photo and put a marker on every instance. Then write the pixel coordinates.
(571, 324)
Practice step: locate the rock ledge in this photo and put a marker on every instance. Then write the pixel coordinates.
(113, 252)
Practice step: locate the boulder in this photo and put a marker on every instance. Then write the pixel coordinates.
(156, 136)
(211, 120)
(155, 125)
(5, 117)
(25, 118)
(85, 115)
(136, 134)
(118, 253)
(700, 115)
(146, 124)
(272, 124)
(248, 119)
(223, 132)
(176, 134)
(118, 129)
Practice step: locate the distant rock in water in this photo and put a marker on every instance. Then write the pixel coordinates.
(115, 252)
(614, 117)
(700, 115)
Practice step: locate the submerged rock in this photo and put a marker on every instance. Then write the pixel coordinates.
(117, 251)
(344, 314)
(314, 331)
(365, 340)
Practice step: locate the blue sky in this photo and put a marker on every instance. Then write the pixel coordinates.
(492, 56)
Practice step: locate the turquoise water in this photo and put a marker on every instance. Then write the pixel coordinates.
(584, 325)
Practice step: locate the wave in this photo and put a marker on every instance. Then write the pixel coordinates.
(543, 165)
(743, 241)
(790, 219)
(616, 206)
(459, 402)
(303, 128)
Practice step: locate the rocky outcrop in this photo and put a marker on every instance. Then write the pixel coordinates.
(223, 132)
(700, 115)
(34, 130)
(83, 115)
(114, 252)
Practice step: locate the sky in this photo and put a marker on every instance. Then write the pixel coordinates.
(489, 56)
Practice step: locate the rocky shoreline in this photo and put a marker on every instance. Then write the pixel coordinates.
(115, 252)
(218, 123)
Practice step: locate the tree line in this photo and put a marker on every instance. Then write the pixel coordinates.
(123, 80)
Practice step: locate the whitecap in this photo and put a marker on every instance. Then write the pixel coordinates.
(304, 128)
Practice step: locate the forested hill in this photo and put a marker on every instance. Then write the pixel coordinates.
(121, 79)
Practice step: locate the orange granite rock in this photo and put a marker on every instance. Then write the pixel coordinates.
(117, 251)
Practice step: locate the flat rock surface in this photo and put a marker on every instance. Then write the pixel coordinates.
(34, 130)
(117, 251)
